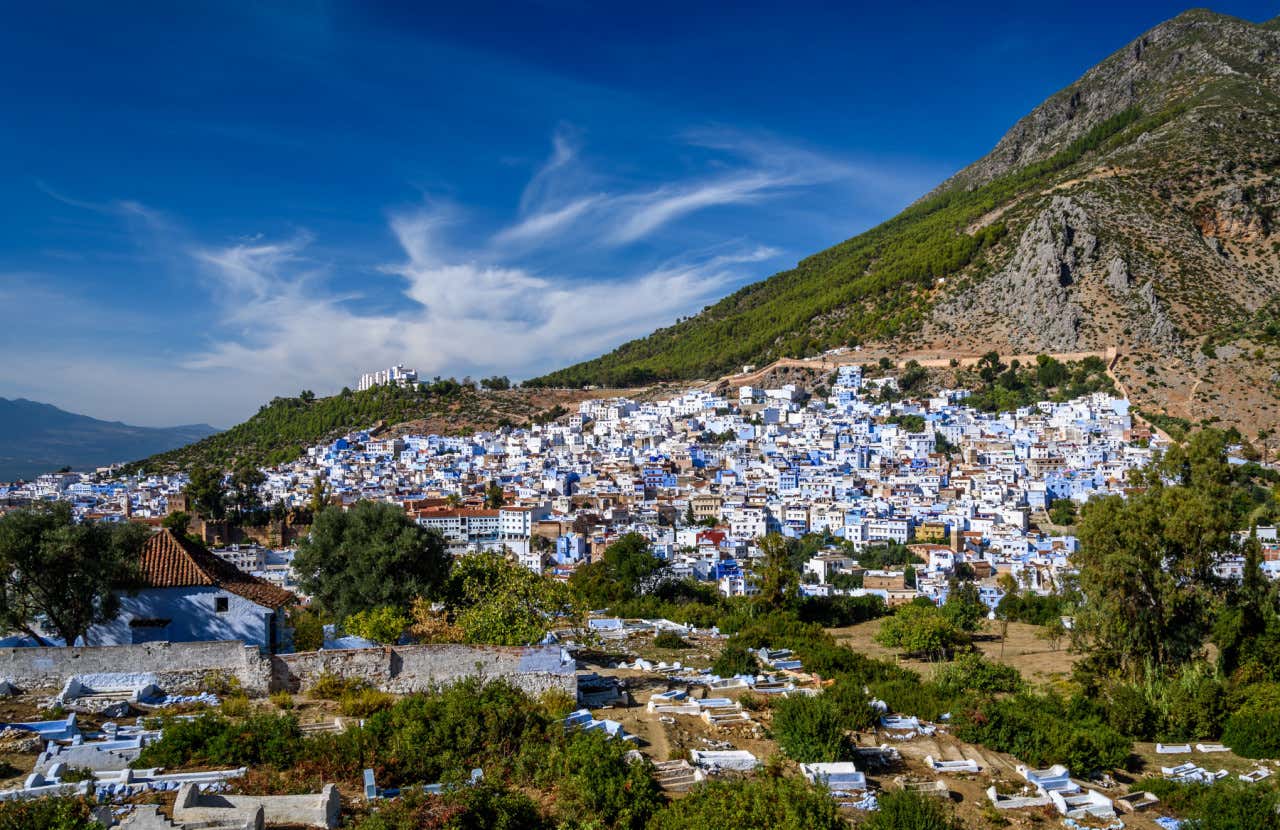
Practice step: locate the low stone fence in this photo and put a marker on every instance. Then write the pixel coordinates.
(196, 666)
(177, 666)
(405, 669)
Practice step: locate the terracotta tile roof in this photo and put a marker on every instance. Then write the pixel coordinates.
(169, 561)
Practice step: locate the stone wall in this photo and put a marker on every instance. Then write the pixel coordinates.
(178, 666)
(191, 666)
(405, 669)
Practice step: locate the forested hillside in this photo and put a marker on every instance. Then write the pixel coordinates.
(282, 430)
(1133, 210)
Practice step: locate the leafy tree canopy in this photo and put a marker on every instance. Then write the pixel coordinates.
(63, 575)
(368, 557)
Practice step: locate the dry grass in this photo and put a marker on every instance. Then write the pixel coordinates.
(1021, 649)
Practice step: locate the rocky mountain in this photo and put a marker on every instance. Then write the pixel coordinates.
(1133, 210)
(39, 438)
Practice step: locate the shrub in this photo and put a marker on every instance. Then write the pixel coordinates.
(778, 803)
(308, 629)
(670, 639)
(486, 806)
(902, 810)
(849, 697)
(236, 706)
(1227, 805)
(924, 700)
(1253, 732)
(469, 724)
(811, 729)
(595, 783)
(48, 814)
(1043, 730)
(330, 686)
(213, 740)
(735, 659)
(282, 700)
(972, 673)
(363, 703)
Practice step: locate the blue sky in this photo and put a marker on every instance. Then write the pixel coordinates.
(207, 205)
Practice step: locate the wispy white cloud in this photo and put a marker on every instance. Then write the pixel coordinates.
(281, 316)
(457, 315)
(565, 198)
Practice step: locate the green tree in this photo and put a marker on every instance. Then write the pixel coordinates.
(308, 629)
(245, 481)
(381, 625)
(498, 602)
(177, 521)
(494, 497)
(61, 574)
(964, 607)
(627, 569)
(1146, 560)
(319, 496)
(370, 556)
(206, 493)
(1062, 512)
(920, 629)
(778, 580)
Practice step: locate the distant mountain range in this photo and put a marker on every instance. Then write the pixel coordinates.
(1137, 209)
(39, 438)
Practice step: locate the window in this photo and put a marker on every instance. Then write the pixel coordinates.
(220, 604)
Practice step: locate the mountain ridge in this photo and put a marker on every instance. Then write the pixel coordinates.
(37, 437)
(1132, 209)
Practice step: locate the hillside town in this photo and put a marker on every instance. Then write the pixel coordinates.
(704, 478)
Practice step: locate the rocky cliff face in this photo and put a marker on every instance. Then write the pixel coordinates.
(1155, 70)
(1163, 245)
(1136, 210)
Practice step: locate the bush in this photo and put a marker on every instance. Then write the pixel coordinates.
(901, 810)
(364, 703)
(282, 700)
(849, 697)
(423, 738)
(467, 808)
(669, 639)
(811, 729)
(1227, 805)
(213, 740)
(236, 706)
(330, 686)
(1253, 732)
(924, 700)
(1043, 730)
(308, 629)
(778, 803)
(834, 612)
(48, 814)
(595, 783)
(920, 629)
(972, 673)
(735, 659)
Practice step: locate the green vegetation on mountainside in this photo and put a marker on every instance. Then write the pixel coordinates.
(283, 429)
(876, 285)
